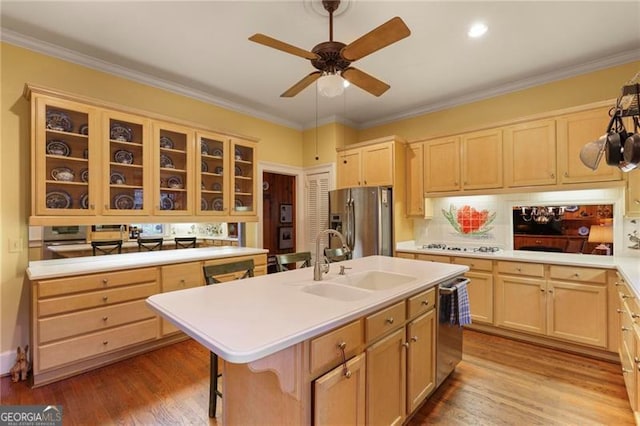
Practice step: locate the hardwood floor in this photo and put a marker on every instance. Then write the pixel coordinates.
(499, 382)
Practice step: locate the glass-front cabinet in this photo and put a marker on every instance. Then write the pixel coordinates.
(97, 163)
(125, 164)
(173, 166)
(65, 158)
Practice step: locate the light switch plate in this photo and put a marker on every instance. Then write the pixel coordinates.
(15, 245)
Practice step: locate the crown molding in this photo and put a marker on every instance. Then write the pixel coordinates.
(330, 119)
(68, 55)
(573, 71)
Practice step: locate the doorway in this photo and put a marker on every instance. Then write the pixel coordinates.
(278, 213)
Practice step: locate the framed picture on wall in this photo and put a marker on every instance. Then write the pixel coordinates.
(285, 237)
(232, 229)
(286, 213)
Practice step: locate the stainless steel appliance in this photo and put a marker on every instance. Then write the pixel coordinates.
(365, 217)
(61, 235)
(449, 336)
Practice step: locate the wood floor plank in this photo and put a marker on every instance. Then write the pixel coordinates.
(498, 382)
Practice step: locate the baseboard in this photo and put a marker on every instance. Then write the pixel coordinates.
(7, 360)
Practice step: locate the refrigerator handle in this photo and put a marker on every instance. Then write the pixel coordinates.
(352, 225)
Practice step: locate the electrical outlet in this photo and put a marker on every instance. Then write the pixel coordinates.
(15, 245)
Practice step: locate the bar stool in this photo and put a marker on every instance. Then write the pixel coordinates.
(212, 275)
(150, 244)
(185, 242)
(289, 258)
(106, 247)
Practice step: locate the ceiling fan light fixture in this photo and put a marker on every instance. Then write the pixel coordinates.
(331, 85)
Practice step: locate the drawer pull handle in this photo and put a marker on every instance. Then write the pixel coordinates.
(636, 360)
(625, 371)
(635, 316)
(624, 328)
(617, 284)
(425, 302)
(519, 269)
(625, 296)
(105, 281)
(345, 370)
(406, 344)
(105, 319)
(105, 298)
(414, 339)
(105, 342)
(619, 311)
(577, 275)
(389, 320)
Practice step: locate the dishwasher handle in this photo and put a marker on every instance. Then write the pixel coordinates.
(452, 286)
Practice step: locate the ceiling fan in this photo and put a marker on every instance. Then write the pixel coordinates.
(332, 58)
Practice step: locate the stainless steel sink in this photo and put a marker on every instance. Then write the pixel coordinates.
(336, 291)
(374, 280)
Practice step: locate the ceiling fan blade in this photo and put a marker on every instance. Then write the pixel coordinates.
(388, 33)
(302, 84)
(365, 81)
(281, 45)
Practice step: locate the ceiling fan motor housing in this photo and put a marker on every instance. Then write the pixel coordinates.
(329, 58)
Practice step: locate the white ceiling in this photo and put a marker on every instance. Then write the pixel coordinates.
(201, 49)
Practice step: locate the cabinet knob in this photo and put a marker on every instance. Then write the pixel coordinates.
(425, 302)
(105, 342)
(519, 269)
(105, 298)
(105, 319)
(405, 344)
(541, 290)
(182, 282)
(389, 320)
(619, 311)
(636, 201)
(455, 183)
(566, 174)
(635, 316)
(623, 328)
(365, 182)
(553, 175)
(414, 339)
(550, 290)
(577, 275)
(617, 284)
(105, 280)
(625, 371)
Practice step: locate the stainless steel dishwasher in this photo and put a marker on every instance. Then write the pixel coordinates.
(449, 336)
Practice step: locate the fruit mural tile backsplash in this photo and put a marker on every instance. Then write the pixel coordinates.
(467, 220)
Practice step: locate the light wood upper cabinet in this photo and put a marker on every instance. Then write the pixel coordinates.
(573, 132)
(633, 194)
(442, 165)
(371, 163)
(415, 183)
(530, 153)
(126, 170)
(94, 162)
(65, 158)
(482, 159)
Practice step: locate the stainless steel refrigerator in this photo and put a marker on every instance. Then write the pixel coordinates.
(365, 217)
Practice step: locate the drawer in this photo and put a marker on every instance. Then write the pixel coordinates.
(386, 320)
(181, 276)
(405, 255)
(67, 325)
(474, 263)
(421, 302)
(325, 351)
(48, 288)
(521, 268)
(578, 274)
(94, 299)
(433, 258)
(77, 348)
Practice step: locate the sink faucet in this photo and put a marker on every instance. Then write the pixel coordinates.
(321, 268)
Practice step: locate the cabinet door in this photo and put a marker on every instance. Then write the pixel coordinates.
(179, 277)
(566, 307)
(482, 160)
(126, 168)
(442, 165)
(212, 183)
(173, 177)
(386, 380)
(66, 171)
(243, 161)
(349, 168)
(339, 399)
(633, 194)
(415, 183)
(530, 154)
(521, 304)
(377, 164)
(480, 291)
(421, 359)
(573, 132)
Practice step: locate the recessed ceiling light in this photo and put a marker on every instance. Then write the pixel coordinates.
(477, 30)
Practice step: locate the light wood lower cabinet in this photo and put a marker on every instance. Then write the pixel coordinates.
(628, 312)
(82, 322)
(421, 359)
(339, 399)
(480, 288)
(570, 303)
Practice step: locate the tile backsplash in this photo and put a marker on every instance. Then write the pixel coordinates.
(487, 219)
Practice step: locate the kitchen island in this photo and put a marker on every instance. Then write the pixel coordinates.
(284, 334)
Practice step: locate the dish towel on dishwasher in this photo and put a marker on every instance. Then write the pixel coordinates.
(460, 313)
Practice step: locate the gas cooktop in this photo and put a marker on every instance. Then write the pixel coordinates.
(479, 249)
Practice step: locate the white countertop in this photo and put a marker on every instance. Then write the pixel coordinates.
(246, 320)
(68, 248)
(628, 266)
(55, 268)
